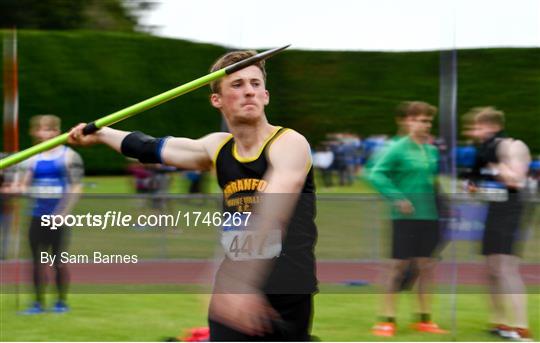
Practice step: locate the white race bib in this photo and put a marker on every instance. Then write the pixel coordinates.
(245, 245)
(47, 192)
(492, 191)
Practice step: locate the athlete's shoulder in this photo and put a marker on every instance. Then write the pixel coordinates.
(28, 163)
(289, 141)
(71, 151)
(290, 136)
(519, 144)
(512, 147)
(397, 146)
(215, 138)
(401, 141)
(432, 148)
(72, 156)
(214, 142)
(290, 148)
(290, 156)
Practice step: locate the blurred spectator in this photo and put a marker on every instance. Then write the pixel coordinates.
(54, 180)
(534, 177)
(152, 179)
(161, 183)
(322, 161)
(374, 147)
(343, 151)
(8, 187)
(499, 176)
(371, 146)
(142, 177)
(352, 145)
(405, 173)
(4, 216)
(465, 157)
(195, 178)
(340, 151)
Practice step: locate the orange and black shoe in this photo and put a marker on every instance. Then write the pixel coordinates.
(502, 331)
(384, 329)
(429, 327)
(523, 335)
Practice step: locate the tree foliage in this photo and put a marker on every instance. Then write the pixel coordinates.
(115, 15)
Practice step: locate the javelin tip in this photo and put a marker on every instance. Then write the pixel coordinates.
(254, 59)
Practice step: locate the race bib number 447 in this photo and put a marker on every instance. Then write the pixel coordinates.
(244, 245)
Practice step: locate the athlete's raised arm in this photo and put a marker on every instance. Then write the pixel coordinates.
(178, 152)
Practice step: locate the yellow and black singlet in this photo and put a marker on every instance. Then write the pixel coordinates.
(293, 270)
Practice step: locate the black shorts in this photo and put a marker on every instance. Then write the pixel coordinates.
(414, 238)
(42, 238)
(502, 226)
(296, 314)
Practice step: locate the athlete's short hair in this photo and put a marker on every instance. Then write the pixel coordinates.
(485, 115)
(49, 120)
(231, 58)
(415, 108)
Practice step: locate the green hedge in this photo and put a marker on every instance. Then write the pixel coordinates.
(83, 75)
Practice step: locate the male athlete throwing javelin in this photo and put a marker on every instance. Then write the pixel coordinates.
(262, 291)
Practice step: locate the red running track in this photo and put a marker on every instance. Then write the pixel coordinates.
(199, 272)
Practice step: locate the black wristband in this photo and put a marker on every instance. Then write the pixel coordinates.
(146, 149)
(90, 128)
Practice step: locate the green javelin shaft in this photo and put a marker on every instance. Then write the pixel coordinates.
(115, 117)
(139, 107)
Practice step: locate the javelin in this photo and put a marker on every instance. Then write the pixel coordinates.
(139, 107)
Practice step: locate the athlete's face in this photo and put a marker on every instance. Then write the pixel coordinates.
(469, 130)
(482, 131)
(402, 125)
(44, 132)
(419, 125)
(243, 96)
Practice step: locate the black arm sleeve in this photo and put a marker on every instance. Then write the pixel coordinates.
(146, 149)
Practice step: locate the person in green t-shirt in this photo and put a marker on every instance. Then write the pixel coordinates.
(402, 131)
(405, 173)
(410, 274)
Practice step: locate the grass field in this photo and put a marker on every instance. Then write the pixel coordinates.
(348, 229)
(145, 317)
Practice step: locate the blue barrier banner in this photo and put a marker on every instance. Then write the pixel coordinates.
(468, 221)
